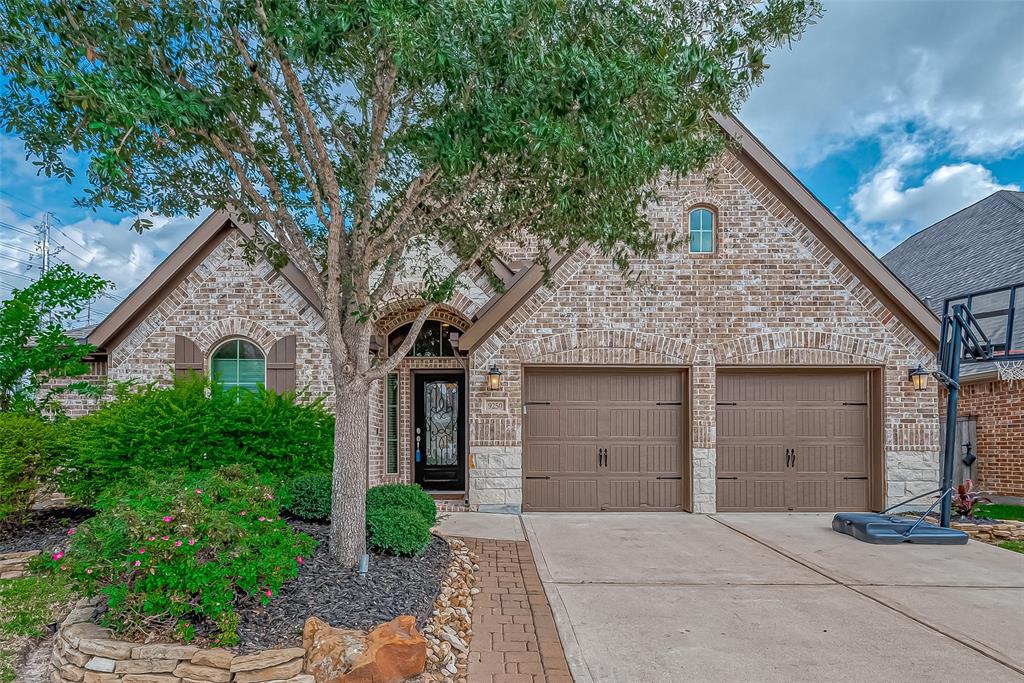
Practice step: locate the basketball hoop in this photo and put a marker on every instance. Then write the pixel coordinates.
(1010, 371)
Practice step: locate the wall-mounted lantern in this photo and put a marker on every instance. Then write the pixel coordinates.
(494, 378)
(919, 376)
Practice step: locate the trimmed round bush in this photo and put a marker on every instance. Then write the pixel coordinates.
(309, 497)
(397, 530)
(406, 496)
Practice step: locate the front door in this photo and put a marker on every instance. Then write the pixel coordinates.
(439, 431)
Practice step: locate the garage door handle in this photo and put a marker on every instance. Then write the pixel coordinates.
(538, 477)
(794, 458)
(668, 477)
(669, 403)
(730, 478)
(788, 454)
(855, 478)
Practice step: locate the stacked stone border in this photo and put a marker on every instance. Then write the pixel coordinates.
(1002, 530)
(450, 629)
(15, 565)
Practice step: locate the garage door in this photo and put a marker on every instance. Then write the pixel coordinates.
(792, 441)
(603, 440)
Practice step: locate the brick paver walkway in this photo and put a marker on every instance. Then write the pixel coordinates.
(514, 635)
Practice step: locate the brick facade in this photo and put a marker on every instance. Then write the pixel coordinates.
(998, 408)
(770, 295)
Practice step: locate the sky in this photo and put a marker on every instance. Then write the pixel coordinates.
(895, 114)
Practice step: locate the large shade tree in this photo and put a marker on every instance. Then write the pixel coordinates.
(355, 132)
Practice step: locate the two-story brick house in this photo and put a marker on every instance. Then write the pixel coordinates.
(761, 367)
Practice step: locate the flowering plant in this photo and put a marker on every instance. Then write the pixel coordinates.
(965, 497)
(178, 553)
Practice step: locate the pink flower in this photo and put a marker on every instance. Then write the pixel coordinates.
(242, 513)
(142, 551)
(71, 531)
(269, 593)
(177, 544)
(88, 571)
(165, 538)
(263, 519)
(299, 559)
(152, 538)
(268, 496)
(58, 555)
(168, 518)
(137, 563)
(62, 567)
(191, 541)
(199, 492)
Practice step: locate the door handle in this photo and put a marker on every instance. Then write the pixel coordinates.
(794, 458)
(787, 457)
(604, 452)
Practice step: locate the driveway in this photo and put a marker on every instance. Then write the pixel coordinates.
(644, 597)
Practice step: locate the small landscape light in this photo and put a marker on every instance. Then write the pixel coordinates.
(494, 378)
(919, 376)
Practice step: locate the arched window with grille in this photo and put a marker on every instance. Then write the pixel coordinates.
(239, 363)
(702, 221)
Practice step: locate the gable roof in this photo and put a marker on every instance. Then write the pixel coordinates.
(978, 248)
(812, 213)
(173, 269)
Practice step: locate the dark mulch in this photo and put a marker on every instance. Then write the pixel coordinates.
(42, 530)
(393, 586)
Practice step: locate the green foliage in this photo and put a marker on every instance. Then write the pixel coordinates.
(29, 450)
(33, 346)
(27, 605)
(195, 425)
(309, 496)
(397, 530)
(407, 496)
(1015, 546)
(177, 551)
(995, 511)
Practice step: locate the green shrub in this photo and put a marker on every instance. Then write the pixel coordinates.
(408, 496)
(397, 530)
(195, 425)
(309, 497)
(29, 447)
(176, 551)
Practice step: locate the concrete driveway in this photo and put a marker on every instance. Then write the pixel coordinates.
(773, 597)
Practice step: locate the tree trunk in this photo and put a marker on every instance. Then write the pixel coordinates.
(351, 446)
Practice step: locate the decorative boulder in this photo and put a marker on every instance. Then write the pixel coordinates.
(390, 653)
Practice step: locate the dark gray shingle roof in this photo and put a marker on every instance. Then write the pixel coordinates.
(978, 248)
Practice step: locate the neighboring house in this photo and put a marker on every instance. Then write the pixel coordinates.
(763, 367)
(978, 254)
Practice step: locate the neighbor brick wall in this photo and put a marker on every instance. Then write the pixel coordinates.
(998, 409)
(772, 294)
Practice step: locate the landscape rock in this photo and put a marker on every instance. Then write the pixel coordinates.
(202, 673)
(265, 658)
(164, 651)
(273, 673)
(218, 658)
(391, 652)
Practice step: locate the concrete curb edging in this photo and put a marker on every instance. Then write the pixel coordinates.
(570, 645)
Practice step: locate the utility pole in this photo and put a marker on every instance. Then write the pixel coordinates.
(44, 241)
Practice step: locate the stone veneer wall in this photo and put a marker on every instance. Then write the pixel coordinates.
(998, 408)
(83, 651)
(772, 294)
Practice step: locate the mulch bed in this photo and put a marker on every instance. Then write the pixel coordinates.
(393, 586)
(43, 530)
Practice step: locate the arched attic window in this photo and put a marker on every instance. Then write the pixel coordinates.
(702, 224)
(239, 363)
(434, 339)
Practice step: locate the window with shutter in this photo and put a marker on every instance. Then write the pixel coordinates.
(281, 365)
(391, 430)
(187, 357)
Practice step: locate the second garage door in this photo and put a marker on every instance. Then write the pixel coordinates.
(793, 441)
(603, 440)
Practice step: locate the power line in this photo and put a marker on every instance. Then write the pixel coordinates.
(20, 277)
(17, 248)
(17, 229)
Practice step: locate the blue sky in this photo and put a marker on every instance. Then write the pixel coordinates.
(895, 114)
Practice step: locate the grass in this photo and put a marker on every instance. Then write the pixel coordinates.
(1000, 511)
(27, 605)
(1015, 546)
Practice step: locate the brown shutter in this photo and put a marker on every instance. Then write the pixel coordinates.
(281, 365)
(187, 357)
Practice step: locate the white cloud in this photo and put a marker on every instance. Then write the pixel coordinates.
(93, 245)
(954, 69)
